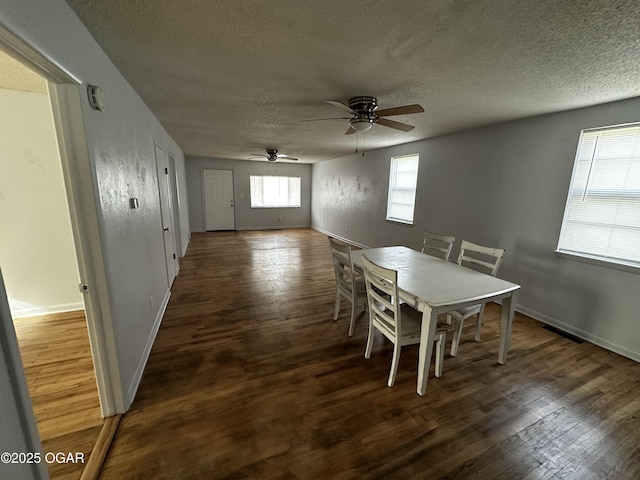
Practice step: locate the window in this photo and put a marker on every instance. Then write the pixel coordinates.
(602, 216)
(403, 178)
(274, 192)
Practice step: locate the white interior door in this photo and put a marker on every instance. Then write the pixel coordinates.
(218, 199)
(167, 221)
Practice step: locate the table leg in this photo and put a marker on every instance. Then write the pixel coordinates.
(506, 322)
(427, 336)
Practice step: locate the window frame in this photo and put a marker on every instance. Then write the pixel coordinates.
(561, 250)
(393, 191)
(289, 179)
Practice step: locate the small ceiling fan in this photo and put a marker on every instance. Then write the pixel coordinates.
(272, 155)
(364, 114)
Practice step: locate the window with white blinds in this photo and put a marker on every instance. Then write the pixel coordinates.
(403, 180)
(274, 192)
(602, 215)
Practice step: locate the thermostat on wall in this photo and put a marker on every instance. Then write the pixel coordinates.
(96, 99)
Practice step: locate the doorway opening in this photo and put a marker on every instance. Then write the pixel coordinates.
(70, 173)
(38, 260)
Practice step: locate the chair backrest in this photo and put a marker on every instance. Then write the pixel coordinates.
(437, 245)
(343, 267)
(484, 259)
(382, 296)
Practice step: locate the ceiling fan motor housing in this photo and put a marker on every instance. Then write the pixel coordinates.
(363, 106)
(272, 154)
(364, 117)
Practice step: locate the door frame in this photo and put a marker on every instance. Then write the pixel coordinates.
(175, 201)
(164, 184)
(65, 96)
(204, 196)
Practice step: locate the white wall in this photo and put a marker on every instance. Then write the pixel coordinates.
(37, 252)
(505, 186)
(248, 218)
(120, 144)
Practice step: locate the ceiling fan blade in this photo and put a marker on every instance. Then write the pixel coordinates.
(341, 106)
(397, 125)
(286, 157)
(350, 130)
(321, 119)
(388, 112)
(258, 155)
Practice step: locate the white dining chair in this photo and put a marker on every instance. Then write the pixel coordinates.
(437, 245)
(349, 284)
(486, 260)
(395, 320)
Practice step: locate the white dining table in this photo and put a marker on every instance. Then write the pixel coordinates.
(434, 286)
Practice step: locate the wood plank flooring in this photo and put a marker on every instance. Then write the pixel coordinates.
(250, 377)
(59, 369)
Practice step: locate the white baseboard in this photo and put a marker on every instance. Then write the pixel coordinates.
(22, 311)
(137, 377)
(578, 332)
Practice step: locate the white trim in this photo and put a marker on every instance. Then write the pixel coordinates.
(35, 60)
(137, 376)
(578, 332)
(24, 312)
(79, 179)
(601, 262)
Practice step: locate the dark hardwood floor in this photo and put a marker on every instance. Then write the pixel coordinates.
(250, 377)
(59, 370)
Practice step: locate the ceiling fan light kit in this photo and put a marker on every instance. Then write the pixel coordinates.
(362, 125)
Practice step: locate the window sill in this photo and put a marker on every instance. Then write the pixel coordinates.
(399, 222)
(282, 206)
(616, 265)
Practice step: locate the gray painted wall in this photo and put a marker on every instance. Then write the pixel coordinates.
(120, 144)
(248, 218)
(504, 186)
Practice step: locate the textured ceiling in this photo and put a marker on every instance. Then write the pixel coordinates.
(228, 78)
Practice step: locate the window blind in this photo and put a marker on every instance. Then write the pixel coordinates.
(403, 179)
(602, 215)
(274, 192)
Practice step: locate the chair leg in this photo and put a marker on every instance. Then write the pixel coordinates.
(457, 333)
(394, 364)
(367, 351)
(336, 310)
(354, 318)
(441, 341)
(479, 322)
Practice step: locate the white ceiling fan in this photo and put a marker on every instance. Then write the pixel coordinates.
(272, 155)
(364, 114)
